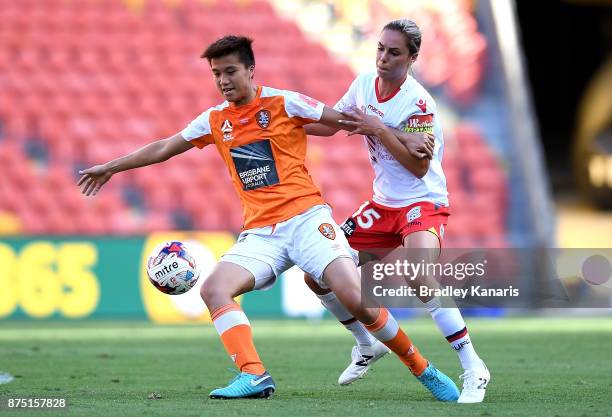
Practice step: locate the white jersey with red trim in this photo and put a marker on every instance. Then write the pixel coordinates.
(410, 109)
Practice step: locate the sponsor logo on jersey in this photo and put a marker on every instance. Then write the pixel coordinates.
(227, 129)
(419, 123)
(375, 110)
(422, 104)
(255, 165)
(327, 230)
(378, 152)
(263, 118)
(413, 214)
(385, 156)
(309, 100)
(244, 121)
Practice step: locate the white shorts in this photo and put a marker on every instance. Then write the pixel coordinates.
(311, 240)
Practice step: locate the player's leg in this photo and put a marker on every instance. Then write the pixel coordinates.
(367, 349)
(227, 281)
(365, 227)
(245, 267)
(452, 326)
(342, 277)
(321, 250)
(329, 300)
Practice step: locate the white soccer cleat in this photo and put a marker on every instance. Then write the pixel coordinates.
(361, 360)
(475, 383)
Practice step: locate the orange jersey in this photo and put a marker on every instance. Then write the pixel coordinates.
(263, 144)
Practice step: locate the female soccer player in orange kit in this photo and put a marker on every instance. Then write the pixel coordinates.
(259, 133)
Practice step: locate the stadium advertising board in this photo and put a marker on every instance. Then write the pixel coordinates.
(105, 278)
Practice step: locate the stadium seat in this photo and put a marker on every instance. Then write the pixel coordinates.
(33, 222)
(115, 83)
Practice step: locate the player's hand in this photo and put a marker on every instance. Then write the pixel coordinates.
(92, 179)
(362, 124)
(420, 145)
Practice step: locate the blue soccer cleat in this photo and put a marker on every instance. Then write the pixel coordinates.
(441, 386)
(246, 386)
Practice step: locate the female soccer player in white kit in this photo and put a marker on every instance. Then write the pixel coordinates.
(409, 206)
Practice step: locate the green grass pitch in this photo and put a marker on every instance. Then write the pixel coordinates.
(540, 367)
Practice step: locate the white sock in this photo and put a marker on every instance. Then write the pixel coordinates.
(452, 326)
(334, 306)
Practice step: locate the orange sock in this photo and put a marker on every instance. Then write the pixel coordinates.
(235, 331)
(386, 329)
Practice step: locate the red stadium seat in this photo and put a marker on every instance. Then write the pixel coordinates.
(118, 77)
(33, 222)
(90, 223)
(160, 199)
(156, 222)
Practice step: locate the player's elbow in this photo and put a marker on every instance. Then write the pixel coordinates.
(421, 173)
(163, 151)
(420, 169)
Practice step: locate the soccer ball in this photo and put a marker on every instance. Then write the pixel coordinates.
(172, 268)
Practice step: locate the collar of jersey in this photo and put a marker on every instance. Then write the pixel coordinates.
(393, 94)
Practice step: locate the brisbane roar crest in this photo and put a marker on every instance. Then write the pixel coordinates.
(263, 118)
(328, 231)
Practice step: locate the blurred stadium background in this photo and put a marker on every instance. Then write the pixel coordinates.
(525, 92)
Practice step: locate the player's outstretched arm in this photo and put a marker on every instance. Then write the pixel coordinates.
(92, 179)
(373, 126)
(319, 129)
(331, 122)
(420, 145)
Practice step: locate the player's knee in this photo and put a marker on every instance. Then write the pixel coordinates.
(210, 292)
(204, 293)
(314, 287)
